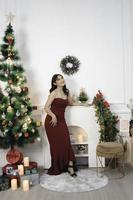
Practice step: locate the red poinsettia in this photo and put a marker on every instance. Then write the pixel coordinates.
(106, 104)
(99, 95)
(106, 119)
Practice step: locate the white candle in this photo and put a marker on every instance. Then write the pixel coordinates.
(13, 184)
(21, 170)
(26, 161)
(80, 138)
(25, 185)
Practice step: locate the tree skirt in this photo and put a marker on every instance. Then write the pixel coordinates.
(86, 180)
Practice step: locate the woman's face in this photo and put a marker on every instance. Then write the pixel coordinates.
(60, 81)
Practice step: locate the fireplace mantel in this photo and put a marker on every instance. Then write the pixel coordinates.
(84, 117)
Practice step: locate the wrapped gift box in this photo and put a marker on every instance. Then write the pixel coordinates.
(27, 171)
(34, 171)
(32, 165)
(8, 169)
(33, 179)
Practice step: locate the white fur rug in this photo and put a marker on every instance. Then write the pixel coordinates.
(86, 180)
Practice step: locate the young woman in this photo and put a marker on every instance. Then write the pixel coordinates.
(62, 156)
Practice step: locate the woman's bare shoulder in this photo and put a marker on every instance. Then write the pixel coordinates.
(52, 94)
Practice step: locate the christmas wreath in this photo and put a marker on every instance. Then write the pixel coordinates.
(69, 65)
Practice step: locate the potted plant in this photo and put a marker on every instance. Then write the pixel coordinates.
(106, 119)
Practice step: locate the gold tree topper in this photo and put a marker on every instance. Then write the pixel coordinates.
(10, 17)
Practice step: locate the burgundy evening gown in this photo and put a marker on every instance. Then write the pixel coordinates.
(59, 139)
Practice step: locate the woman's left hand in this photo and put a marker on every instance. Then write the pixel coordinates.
(53, 121)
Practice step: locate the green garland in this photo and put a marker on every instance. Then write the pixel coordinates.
(73, 61)
(106, 120)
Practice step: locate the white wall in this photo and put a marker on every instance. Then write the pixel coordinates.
(97, 32)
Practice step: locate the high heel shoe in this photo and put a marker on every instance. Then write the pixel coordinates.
(73, 174)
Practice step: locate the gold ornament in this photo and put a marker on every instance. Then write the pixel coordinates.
(25, 126)
(9, 61)
(1, 57)
(38, 124)
(9, 109)
(28, 120)
(18, 89)
(38, 139)
(10, 82)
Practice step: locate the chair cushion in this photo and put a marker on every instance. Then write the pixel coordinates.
(109, 149)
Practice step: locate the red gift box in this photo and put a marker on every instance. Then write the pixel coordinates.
(7, 169)
(32, 165)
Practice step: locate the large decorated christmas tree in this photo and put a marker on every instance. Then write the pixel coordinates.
(17, 127)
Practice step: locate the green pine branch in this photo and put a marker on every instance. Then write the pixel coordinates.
(105, 118)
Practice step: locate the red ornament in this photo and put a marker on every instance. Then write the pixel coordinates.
(26, 134)
(14, 156)
(6, 168)
(10, 39)
(10, 82)
(106, 104)
(25, 89)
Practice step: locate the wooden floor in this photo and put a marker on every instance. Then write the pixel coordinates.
(117, 189)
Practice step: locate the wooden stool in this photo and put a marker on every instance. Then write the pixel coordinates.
(111, 150)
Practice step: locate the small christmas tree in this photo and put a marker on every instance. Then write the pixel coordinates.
(106, 120)
(83, 97)
(16, 124)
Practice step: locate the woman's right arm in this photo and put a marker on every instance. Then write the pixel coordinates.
(48, 110)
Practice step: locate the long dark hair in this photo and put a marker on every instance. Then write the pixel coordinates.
(53, 87)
